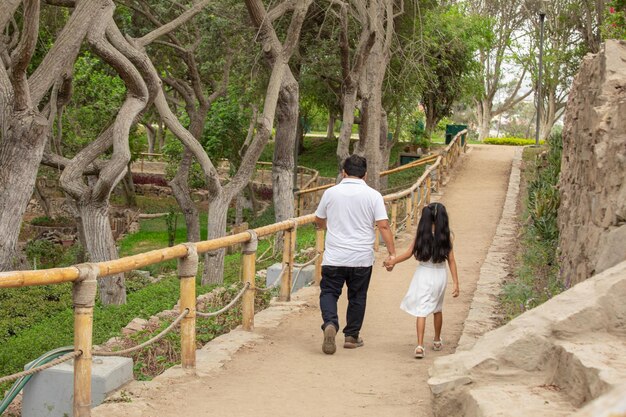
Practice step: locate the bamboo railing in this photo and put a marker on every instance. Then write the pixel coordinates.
(302, 172)
(306, 197)
(406, 203)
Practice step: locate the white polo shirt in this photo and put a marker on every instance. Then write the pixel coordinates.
(351, 209)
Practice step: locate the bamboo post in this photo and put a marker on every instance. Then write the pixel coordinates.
(84, 295)
(300, 205)
(428, 186)
(187, 271)
(414, 208)
(319, 248)
(249, 272)
(289, 245)
(409, 210)
(394, 217)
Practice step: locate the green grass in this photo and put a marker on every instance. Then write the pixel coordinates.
(147, 204)
(320, 154)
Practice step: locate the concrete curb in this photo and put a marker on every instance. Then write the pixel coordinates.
(480, 318)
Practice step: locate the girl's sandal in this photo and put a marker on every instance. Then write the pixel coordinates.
(438, 344)
(419, 352)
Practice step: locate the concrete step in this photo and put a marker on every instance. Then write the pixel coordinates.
(589, 365)
(516, 400)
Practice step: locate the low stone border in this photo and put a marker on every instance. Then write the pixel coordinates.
(480, 318)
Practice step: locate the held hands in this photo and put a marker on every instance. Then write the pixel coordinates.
(389, 263)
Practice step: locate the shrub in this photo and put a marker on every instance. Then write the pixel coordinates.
(149, 179)
(511, 141)
(535, 279)
(51, 222)
(45, 254)
(263, 192)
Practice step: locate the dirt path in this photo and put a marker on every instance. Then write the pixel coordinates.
(286, 374)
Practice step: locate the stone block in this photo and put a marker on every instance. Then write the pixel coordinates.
(50, 393)
(304, 278)
(134, 326)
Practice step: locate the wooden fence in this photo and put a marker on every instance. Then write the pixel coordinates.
(406, 204)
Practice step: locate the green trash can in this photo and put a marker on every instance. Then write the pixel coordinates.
(452, 130)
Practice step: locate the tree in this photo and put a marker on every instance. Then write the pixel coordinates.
(185, 66)
(563, 52)
(498, 56)
(277, 55)
(451, 40)
(24, 88)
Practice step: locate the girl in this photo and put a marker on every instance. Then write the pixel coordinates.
(432, 248)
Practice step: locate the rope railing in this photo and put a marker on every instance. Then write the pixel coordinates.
(84, 276)
(301, 267)
(227, 306)
(275, 284)
(48, 365)
(148, 342)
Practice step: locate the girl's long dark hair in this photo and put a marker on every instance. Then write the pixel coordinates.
(433, 246)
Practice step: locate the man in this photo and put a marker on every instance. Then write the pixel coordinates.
(349, 211)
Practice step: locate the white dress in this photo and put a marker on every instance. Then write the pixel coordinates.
(428, 286)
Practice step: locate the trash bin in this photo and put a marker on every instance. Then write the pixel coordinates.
(452, 130)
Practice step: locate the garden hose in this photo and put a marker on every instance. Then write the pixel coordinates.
(19, 384)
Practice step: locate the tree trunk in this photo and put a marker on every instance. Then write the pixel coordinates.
(43, 200)
(151, 135)
(239, 202)
(99, 242)
(385, 146)
(283, 163)
(21, 150)
(431, 118)
(343, 144)
(330, 132)
(253, 201)
(484, 117)
(214, 261)
(129, 189)
(371, 90)
(160, 135)
(300, 136)
(182, 193)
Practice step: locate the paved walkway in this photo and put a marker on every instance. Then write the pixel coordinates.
(284, 373)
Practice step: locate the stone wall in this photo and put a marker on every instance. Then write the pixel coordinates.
(592, 216)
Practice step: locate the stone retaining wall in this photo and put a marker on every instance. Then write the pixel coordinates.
(592, 216)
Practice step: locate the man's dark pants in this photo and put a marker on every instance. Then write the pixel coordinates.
(358, 281)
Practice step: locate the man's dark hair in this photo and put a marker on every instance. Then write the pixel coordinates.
(355, 166)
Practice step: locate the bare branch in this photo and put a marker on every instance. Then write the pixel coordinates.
(223, 86)
(53, 160)
(293, 34)
(172, 45)
(7, 10)
(23, 53)
(64, 51)
(280, 9)
(182, 88)
(165, 29)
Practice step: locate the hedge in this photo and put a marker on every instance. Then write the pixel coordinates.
(511, 141)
